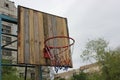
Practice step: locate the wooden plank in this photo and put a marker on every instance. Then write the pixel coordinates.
(50, 26)
(46, 32)
(50, 34)
(67, 55)
(65, 41)
(54, 30)
(54, 42)
(32, 45)
(49, 29)
(45, 24)
(41, 38)
(36, 39)
(60, 41)
(21, 36)
(26, 37)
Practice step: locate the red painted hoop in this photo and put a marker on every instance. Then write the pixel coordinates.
(58, 47)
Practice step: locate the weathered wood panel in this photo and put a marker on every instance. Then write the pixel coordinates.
(31, 31)
(26, 35)
(21, 36)
(34, 28)
(68, 55)
(41, 38)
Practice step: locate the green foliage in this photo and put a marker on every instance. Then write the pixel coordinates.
(9, 72)
(94, 50)
(80, 76)
(109, 60)
(10, 77)
(95, 76)
(111, 65)
(61, 79)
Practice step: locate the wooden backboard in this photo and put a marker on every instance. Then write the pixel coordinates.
(34, 27)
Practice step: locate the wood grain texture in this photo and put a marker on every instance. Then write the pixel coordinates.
(26, 37)
(68, 52)
(21, 36)
(34, 28)
(41, 38)
(31, 31)
(36, 43)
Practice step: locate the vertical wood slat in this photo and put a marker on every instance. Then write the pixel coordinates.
(21, 36)
(67, 55)
(32, 46)
(46, 34)
(60, 41)
(70, 54)
(36, 37)
(45, 23)
(41, 38)
(65, 41)
(54, 41)
(50, 31)
(26, 36)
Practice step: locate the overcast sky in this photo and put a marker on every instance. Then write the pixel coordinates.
(87, 19)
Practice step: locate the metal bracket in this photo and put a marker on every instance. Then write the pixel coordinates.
(9, 43)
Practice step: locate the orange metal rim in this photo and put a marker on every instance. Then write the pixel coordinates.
(58, 47)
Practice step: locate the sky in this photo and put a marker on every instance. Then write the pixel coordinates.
(87, 20)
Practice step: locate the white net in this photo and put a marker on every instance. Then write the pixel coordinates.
(59, 50)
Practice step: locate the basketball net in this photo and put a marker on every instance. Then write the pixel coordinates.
(59, 52)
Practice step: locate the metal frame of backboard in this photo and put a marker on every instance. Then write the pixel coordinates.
(11, 20)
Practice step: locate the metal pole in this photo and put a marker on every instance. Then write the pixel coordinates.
(0, 49)
(25, 72)
(40, 72)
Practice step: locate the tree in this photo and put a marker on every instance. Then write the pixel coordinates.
(80, 76)
(107, 59)
(9, 72)
(94, 76)
(61, 79)
(95, 50)
(111, 68)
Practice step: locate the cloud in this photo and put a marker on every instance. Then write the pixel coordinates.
(90, 19)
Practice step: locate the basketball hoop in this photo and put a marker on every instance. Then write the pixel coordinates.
(57, 50)
(66, 37)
